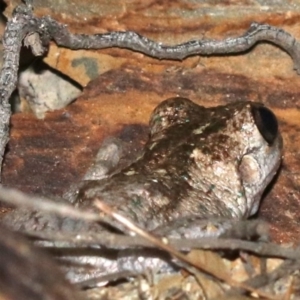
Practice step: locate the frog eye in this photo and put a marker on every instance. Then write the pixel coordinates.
(266, 123)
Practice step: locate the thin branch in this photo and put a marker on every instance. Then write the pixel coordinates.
(136, 42)
(117, 241)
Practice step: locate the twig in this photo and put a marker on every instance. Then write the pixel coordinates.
(117, 241)
(136, 42)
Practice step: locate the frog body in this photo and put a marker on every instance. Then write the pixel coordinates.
(198, 161)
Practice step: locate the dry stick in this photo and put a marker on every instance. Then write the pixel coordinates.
(16, 30)
(136, 42)
(24, 24)
(116, 241)
(163, 244)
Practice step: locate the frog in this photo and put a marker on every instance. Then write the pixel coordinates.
(199, 162)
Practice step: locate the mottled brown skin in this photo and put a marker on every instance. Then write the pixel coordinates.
(193, 164)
